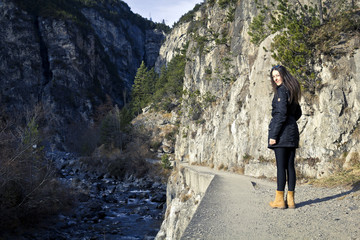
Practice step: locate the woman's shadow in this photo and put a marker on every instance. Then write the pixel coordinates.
(355, 188)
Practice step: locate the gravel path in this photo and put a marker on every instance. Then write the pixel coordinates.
(236, 207)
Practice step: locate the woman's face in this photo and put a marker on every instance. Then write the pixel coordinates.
(277, 77)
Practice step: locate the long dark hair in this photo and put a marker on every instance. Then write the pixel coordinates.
(290, 82)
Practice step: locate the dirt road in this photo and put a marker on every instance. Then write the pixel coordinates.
(236, 207)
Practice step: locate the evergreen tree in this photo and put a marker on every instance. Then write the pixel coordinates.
(175, 75)
(170, 82)
(258, 32)
(160, 84)
(143, 89)
(162, 80)
(293, 47)
(150, 83)
(139, 93)
(160, 90)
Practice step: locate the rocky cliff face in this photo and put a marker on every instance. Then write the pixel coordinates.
(226, 107)
(230, 131)
(69, 64)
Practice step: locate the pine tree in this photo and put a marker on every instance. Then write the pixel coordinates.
(160, 84)
(150, 83)
(175, 75)
(138, 91)
(293, 47)
(257, 29)
(162, 80)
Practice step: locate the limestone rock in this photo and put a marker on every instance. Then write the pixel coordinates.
(236, 74)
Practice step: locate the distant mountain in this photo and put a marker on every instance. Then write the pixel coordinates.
(68, 56)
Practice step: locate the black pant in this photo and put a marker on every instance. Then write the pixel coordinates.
(285, 165)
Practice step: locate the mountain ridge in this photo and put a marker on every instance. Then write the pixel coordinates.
(69, 57)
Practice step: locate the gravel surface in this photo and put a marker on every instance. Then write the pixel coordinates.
(237, 207)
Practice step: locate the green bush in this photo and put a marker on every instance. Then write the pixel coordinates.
(211, 2)
(257, 31)
(224, 3)
(165, 162)
(296, 47)
(187, 17)
(201, 41)
(230, 15)
(196, 103)
(171, 136)
(155, 145)
(220, 41)
(208, 98)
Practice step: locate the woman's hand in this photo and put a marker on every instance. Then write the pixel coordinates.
(272, 141)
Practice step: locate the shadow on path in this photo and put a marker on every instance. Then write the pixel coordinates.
(328, 198)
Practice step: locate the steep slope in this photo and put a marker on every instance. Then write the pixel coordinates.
(68, 56)
(226, 107)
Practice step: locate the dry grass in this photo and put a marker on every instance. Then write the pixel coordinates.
(238, 170)
(184, 197)
(310, 161)
(156, 171)
(347, 178)
(356, 133)
(339, 29)
(203, 164)
(167, 213)
(354, 160)
(247, 158)
(221, 166)
(167, 115)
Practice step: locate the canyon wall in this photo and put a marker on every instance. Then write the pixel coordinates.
(230, 131)
(70, 60)
(226, 107)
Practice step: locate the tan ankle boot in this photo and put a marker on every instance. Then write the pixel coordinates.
(279, 200)
(290, 199)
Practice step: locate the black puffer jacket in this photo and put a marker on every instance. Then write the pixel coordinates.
(283, 127)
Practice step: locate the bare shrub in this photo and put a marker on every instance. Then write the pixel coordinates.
(129, 160)
(110, 130)
(132, 160)
(113, 128)
(29, 190)
(158, 173)
(83, 140)
(184, 197)
(121, 149)
(221, 166)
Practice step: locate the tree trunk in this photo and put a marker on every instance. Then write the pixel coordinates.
(320, 12)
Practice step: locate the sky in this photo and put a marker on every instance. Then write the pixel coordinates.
(169, 10)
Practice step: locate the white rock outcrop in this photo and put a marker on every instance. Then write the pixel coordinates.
(235, 126)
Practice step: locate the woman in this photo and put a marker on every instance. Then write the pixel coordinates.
(283, 132)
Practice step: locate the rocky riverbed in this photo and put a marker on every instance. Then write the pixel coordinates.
(106, 208)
